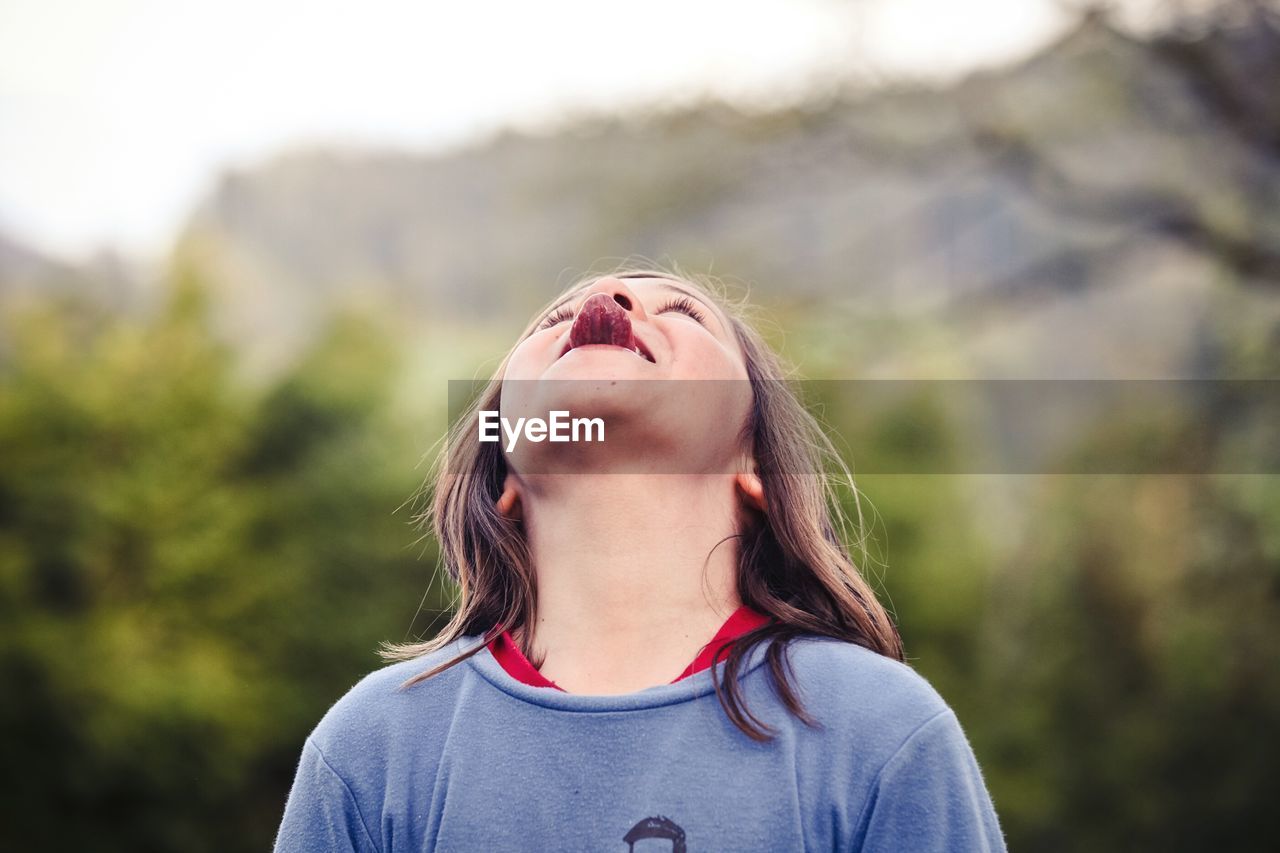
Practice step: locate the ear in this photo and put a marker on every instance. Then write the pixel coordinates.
(752, 488)
(509, 502)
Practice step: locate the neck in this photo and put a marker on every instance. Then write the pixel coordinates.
(623, 600)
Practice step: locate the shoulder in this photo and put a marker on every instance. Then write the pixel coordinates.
(380, 711)
(891, 753)
(853, 689)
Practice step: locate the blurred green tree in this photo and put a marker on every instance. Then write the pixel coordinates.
(189, 572)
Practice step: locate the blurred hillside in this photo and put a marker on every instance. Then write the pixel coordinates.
(1098, 210)
(1081, 214)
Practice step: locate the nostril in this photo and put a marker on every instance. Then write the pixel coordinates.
(623, 301)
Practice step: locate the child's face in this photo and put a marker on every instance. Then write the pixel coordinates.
(682, 346)
(648, 404)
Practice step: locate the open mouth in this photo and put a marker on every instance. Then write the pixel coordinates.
(603, 322)
(638, 348)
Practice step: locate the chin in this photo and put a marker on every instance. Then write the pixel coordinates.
(618, 399)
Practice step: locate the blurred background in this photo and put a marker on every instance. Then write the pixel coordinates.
(244, 246)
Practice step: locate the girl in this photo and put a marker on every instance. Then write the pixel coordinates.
(698, 540)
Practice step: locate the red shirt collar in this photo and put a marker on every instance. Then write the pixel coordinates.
(742, 620)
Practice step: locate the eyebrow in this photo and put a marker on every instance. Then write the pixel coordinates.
(665, 284)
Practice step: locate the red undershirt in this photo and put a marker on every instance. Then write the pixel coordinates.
(508, 654)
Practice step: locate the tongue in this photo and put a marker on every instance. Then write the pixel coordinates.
(601, 320)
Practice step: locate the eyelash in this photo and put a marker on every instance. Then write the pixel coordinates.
(685, 305)
(558, 316)
(682, 304)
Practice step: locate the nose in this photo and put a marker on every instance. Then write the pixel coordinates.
(620, 293)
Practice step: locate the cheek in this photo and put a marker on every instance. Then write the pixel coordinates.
(703, 357)
(717, 397)
(528, 360)
(523, 392)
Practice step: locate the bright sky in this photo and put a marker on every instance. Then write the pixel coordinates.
(116, 115)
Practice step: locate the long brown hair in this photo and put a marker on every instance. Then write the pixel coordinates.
(793, 565)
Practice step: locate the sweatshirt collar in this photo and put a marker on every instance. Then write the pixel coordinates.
(508, 655)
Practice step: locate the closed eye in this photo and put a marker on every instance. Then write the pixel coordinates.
(558, 316)
(684, 305)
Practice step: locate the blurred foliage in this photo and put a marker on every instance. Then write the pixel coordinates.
(193, 567)
(1110, 642)
(1135, 666)
(190, 573)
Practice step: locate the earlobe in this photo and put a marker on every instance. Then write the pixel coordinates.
(509, 502)
(752, 488)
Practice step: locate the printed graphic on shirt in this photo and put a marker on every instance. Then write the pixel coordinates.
(660, 828)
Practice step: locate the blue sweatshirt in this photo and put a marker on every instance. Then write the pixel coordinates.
(473, 759)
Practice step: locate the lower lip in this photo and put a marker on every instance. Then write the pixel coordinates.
(608, 347)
